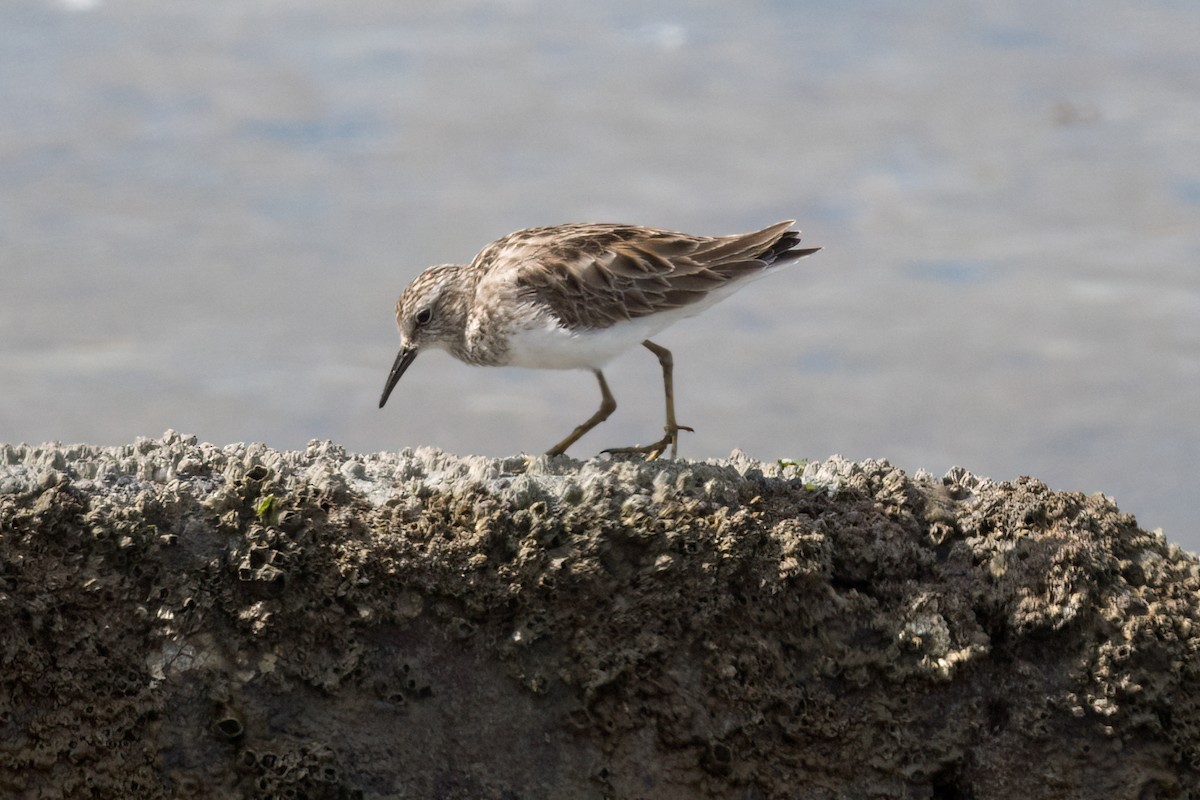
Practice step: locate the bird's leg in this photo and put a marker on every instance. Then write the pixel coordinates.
(653, 451)
(607, 405)
(672, 427)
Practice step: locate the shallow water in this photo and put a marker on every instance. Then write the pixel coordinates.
(209, 208)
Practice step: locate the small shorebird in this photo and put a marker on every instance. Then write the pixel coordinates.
(575, 296)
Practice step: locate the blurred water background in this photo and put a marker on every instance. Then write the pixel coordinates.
(208, 209)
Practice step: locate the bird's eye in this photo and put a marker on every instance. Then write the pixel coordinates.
(424, 316)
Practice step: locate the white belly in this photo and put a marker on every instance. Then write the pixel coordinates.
(551, 346)
(555, 347)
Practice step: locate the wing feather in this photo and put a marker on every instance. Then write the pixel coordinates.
(592, 276)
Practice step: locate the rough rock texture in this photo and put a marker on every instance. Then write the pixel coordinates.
(183, 620)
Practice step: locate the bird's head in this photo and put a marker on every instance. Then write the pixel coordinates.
(429, 313)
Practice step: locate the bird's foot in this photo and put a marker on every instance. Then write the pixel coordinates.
(656, 449)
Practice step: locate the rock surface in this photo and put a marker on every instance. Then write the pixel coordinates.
(183, 620)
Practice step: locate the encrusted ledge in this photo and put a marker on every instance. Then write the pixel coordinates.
(185, 620)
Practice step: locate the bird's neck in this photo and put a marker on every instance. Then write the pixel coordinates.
(461, 312)
(481, 339)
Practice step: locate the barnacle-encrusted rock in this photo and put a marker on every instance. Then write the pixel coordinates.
(183, 620)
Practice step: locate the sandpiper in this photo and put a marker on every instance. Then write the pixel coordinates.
(575, 296)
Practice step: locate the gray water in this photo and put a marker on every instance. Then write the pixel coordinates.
(208, 209)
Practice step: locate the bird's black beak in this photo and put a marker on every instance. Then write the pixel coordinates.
(405, 357)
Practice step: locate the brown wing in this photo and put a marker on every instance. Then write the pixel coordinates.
(595, 275)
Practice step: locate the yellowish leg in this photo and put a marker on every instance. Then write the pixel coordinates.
(653, 451)
(607, 405)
